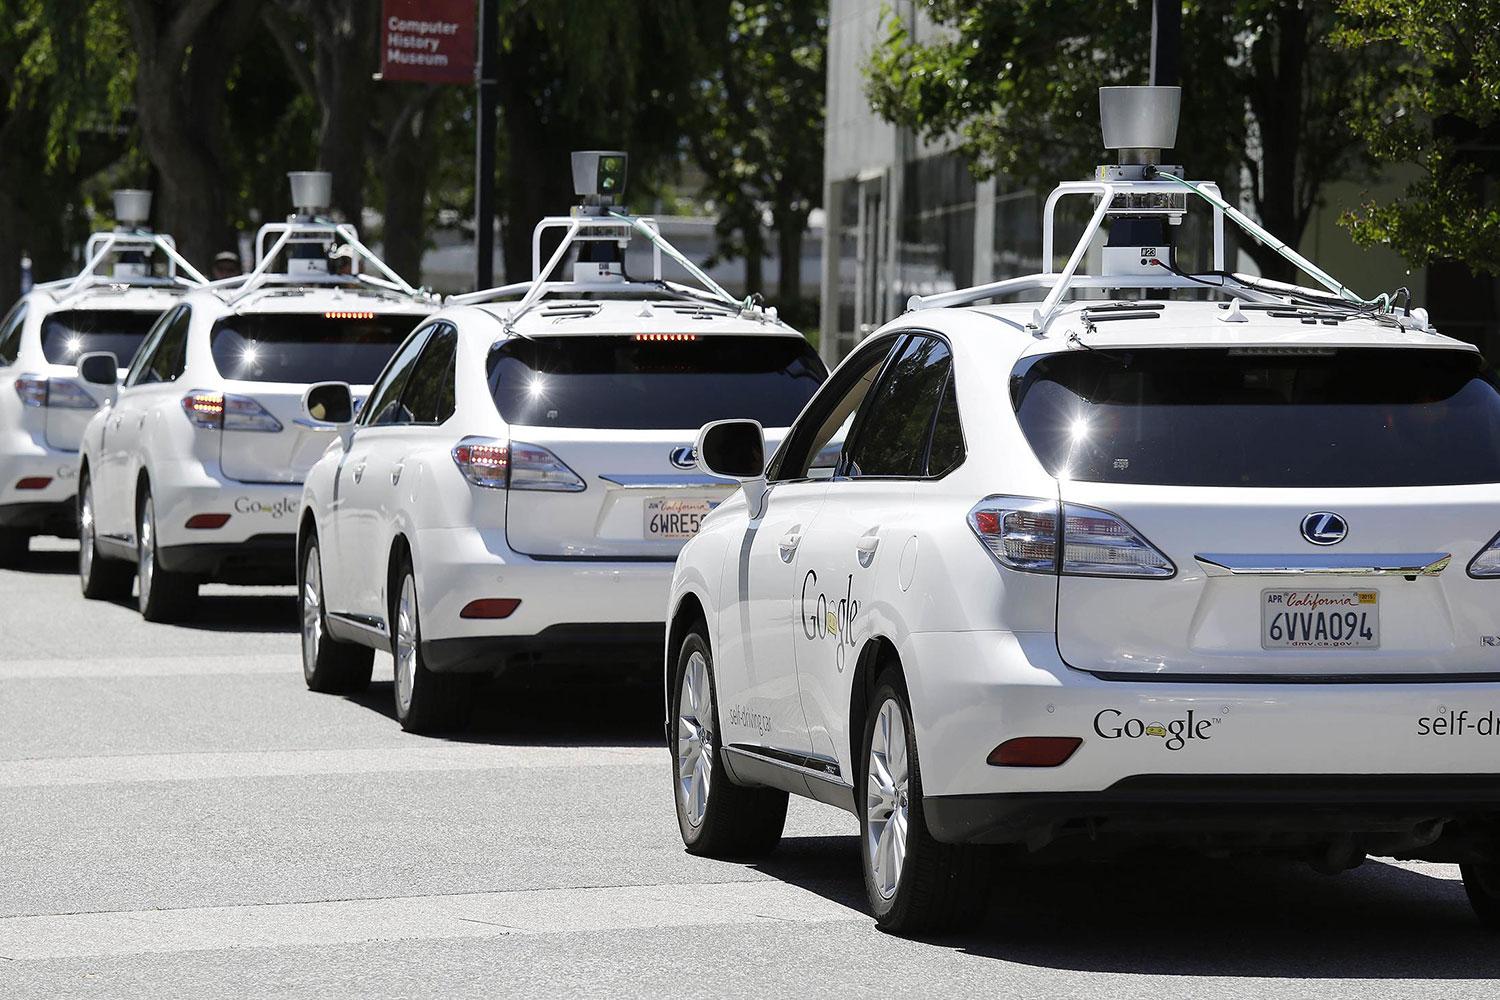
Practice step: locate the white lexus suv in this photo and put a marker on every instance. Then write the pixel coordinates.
(519, 483)
(1212, 566)
(129, 277)
(194, 473)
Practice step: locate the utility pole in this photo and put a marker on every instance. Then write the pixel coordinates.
(1166, 42)
(484, 144)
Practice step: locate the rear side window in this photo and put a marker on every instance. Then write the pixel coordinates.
(72, 333)
(385, 407)
(10, 333)
(307, 347)
(892, 436)
(1346, 417)
(164, 358)
(628, 383)
(428, 396)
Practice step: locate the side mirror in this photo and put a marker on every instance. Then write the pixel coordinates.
(736, 449)
(328, 403)
(100, 368)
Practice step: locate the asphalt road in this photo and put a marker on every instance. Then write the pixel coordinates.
(179, 816)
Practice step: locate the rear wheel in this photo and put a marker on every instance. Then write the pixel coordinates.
(162, 596)
(425, 702)
(328, 665)
(914, 883)
(1482, 883)
(15, 546)
(99, 577)
(718, 818)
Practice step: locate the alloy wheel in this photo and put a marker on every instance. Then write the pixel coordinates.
(886, 805)
(406, 644)
(147, 550)
(312, 610)
(695, 749)
(86, 534)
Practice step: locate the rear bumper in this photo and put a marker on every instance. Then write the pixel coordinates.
(265, 560)
(1252, 806)
(620, 642)
(564, 602)
(182, 490)
(36, 462)
(972, 691)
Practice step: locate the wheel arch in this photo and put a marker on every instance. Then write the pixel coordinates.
(688, 612)
(400, 552)
(875, 656)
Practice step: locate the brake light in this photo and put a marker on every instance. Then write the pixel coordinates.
(483, 461)
(217, 411)
(1025, 534)
(518, 466)
(655, 337)
(347, 314)
(56, 393)
(1487, 563)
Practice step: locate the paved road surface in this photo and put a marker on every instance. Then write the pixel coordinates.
(180, 817)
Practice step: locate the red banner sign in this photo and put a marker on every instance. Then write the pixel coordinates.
(427, 41)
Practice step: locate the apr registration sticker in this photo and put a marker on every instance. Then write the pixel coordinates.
(675, 519)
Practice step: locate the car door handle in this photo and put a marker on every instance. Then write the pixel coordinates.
(359, 472)
(787, 547)
(865, 548)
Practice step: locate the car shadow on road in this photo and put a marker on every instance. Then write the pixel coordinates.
(1246, 918)
(50, 562)
(243, 613)
(548, 712)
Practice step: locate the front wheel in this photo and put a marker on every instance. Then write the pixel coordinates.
(425, 702)
(162, 596)
(328, 665)
(99, 577)
(717, 818)
(914, 883)
(1482, 883)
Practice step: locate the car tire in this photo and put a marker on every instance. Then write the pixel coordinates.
(162, 596)
(99, 577)
(1482, 884)
(328, 665)
(426, 702)
(914, 883)
(717, 818)
(15, 547)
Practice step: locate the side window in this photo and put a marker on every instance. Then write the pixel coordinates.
(164, 356)
(428, 396)
(947, 450)
(892, 435)
(384, 406)
(815, 445)
(10, 333)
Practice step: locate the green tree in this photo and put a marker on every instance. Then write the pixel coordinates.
(758, 133)
(1017, 83)
(1443, 115)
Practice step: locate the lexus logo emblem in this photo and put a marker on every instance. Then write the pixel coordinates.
(1324, 528)
(685, 457)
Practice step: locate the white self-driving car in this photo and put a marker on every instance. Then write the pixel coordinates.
(521, 479)
(1073, 574)
(194, 473)
(44, 403)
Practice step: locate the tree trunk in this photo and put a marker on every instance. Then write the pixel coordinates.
(346, 33)
(1276, 100)
(789, 229)
(405, 163)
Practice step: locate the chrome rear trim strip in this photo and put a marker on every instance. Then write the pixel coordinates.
(1325, 564)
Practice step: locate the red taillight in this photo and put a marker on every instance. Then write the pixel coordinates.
(208, 520)
(348, 314)
(491, 607)
(1034, 751)
(483, 461)
(654, 337)
(206, 409)
(34, 483)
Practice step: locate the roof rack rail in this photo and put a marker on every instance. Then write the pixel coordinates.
(308, 232)
(180, 273)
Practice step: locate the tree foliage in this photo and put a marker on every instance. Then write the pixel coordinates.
(1017, 82)
(765, 86)
(1443, 115)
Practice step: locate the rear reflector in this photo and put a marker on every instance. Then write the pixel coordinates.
(1034, 751)
(208, 520)
(34, 483)
(491, 607)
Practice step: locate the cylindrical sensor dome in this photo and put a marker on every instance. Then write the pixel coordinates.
(1139, 118)
(132, 207)
(312, 190)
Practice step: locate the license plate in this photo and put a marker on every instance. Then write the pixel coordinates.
(675, 519)
(1319, 619)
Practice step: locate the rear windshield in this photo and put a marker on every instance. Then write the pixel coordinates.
(628, 383)
(307, 347)
(1263, 417)
(67, 336)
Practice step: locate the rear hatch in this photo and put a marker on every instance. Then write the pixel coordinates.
(616, 417)
(68, 335)
(269, 360)
(1320, 508)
